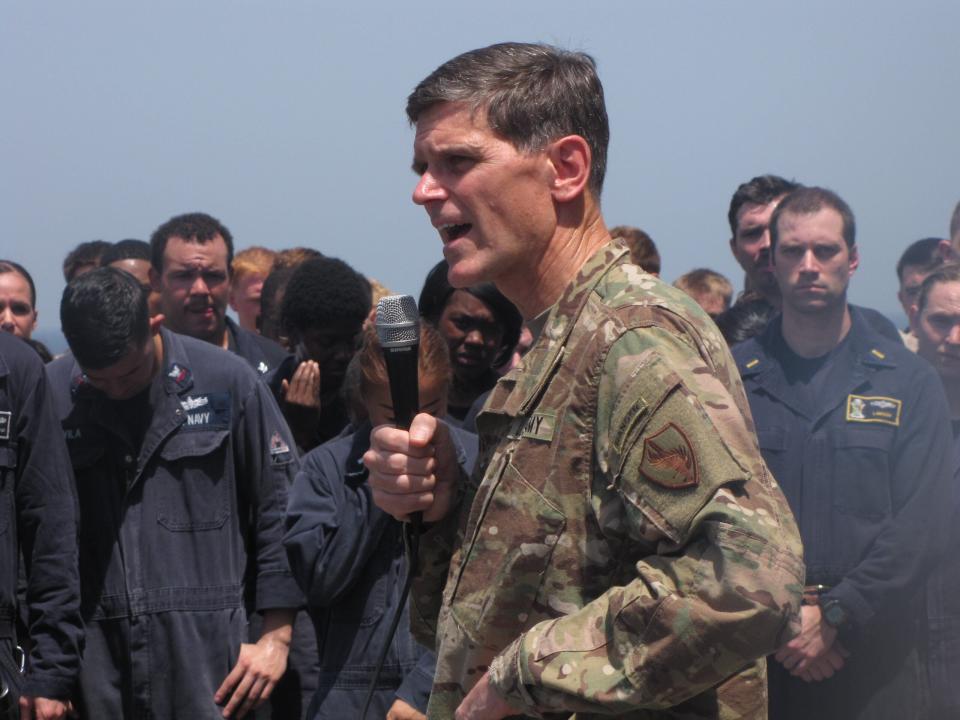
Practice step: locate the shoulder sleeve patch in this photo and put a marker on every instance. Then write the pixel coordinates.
(668, 458)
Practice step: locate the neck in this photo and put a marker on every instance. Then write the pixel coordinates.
(571, 246)
(815, 334)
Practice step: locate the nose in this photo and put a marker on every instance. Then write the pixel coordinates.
(199, 287)
(474, 337)
(6, 320)
(808, 264)
(428, 189)
(953, 336)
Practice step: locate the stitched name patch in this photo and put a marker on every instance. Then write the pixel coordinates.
(865, 409)
(539, 426)
(6, 420)
(206, 412)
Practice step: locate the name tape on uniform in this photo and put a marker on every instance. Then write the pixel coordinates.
(866, 409)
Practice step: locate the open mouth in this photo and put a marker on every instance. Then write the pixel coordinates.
(452, 232)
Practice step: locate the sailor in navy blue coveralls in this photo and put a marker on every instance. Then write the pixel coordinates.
(864, 455)
(348, 557)
(182, 493)
(38, 514)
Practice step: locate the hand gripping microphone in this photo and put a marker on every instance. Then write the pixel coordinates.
(398, 329)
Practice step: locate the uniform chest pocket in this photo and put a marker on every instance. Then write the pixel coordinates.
(861, 472)
(8, 476)
(191, 490)
(501, 584)
(773, 447)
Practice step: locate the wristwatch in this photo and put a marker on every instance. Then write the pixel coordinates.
(834, 614)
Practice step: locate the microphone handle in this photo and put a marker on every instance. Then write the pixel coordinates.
(403, 371)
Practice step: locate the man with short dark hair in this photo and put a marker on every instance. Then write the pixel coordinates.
(855, 429)
(190, 257)
(182, 462)
(935, 320)
(950, 249)
(38, 523)
(83, 258)
(918, 260)
(749, 216)
(133, 256)
(620, 548)
(18, 300)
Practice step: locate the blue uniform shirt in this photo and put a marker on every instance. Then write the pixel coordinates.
(38, 511)
(174, 527)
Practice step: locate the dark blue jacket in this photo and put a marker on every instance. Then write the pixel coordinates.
(262, 354)
(868, 475)
(38, 514)
(170, 537)
(348, 557)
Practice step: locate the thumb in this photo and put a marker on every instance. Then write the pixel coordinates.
(284, 386)
(422, 430)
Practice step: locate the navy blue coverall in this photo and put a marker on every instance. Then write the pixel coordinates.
(38, 513)
(262, 354)
(170, 535)
(867, 467)
(348, 556)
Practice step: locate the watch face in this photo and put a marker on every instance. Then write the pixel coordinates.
(834, 613)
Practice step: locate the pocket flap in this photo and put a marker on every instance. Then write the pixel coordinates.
(193, 444)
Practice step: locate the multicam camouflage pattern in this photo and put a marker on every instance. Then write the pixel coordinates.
(593, 577)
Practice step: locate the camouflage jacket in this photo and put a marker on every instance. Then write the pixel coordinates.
(621, 548)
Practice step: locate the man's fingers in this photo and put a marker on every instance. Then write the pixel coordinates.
(239, 695)
(402, 506)
(386, 439)
(229, 682)
(254, 697)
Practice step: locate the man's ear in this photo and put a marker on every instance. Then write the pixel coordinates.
(570, 157)
(854, 258)
(154, 279)
(947, 252)
(914, 316)
(155, 322)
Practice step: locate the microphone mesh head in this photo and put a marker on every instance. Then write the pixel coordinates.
(398, 322)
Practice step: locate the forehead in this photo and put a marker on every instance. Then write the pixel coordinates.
(944, 297)
(13, 284)
(210, 254)
(452, 123)
(463, 303)
(753, 214)
(913, 274)
(137, 267)
(823, 226)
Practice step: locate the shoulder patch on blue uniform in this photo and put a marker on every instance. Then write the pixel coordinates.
(875, 409)
(6, 421)
(206, 412)
(262, 368)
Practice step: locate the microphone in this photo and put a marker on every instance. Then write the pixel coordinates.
(398, 329)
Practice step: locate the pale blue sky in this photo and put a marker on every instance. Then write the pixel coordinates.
(285, 120)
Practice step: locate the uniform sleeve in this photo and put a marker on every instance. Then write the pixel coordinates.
(921, 472)
(46, 504)
(333, 530)
(720, 573)
(268, 466)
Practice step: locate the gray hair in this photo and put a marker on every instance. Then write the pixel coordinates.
(532, 94)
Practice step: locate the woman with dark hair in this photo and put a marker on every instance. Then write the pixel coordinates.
(348, 555)
(481, 328)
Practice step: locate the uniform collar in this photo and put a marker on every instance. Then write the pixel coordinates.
(525, 382)
(870, 348)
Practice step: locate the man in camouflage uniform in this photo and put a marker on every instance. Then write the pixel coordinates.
(621, 548)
